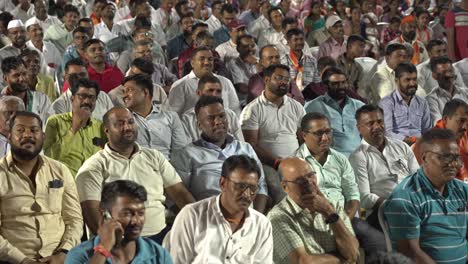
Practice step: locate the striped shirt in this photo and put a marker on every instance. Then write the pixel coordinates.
(416, 210)
(457, 19)
(309, 65)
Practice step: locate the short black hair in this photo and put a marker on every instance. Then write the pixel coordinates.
(29, 52)
(294, 32)
(70, 8)
(74, 62)
(206, 100)
(203, 35)
(83, 82)
(93, 41)
(354, 38)
(307, 118)
(11, 63)
(197, 25)
(143, 42)
(199, 49)
(452, 106)
(134, 3)
(112, 190)
(273, 9)
(331, 71)
(439, 60)
(242, 162)
(404, 67)
(86, 20)
(188, 14)
(325, 61)
(392, 47)
(434, 134)
(368, 108)
(209, 78)
(83, 30)
(178, 6)
(27, 114)
(433, 43)
(216, 2)
(395, 19)
(287, 21)
(141, 22)
(268, 72)
(228, 8)
(420, 11)
(100, 1)
(5, 18)
(144, 65)
(240, 38)
(142, 81)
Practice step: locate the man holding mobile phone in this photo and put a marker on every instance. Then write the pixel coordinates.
(119, 234)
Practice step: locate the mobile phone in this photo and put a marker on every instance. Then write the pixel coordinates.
(118, 233)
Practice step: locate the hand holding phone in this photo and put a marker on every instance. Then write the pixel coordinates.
(110, 231)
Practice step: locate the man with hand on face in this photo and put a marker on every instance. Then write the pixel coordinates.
(41, 214)
(408, 35)
(224, 227)
(9, 105)
(427, 212)
(228, 50)
(307, 228)
(72, 137)
(123, 215)
(406, 115)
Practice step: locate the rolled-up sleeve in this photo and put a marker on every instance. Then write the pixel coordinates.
(359, 163)
(348, 183)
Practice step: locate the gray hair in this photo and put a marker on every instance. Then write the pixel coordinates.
(9, 98)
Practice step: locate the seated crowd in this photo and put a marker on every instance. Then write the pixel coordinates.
(193, 131)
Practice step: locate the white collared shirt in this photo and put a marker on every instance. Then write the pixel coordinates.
(258, 25)
(201, 234)
(161, 18)
(22, 15)
(49, 21)
(182, 95)
(102, 32)
(125, 27)
(427, 82)
(4, 146)
(227, 50)
(213, 24)
(378, 173)
(438, 98)
(51, 54)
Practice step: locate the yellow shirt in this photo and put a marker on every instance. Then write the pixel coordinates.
(71, 149)
(45, 85)
(37, 221)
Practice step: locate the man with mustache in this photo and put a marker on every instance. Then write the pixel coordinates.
(41, 214)
(408, 35)
(335, 45)
(123, 159)
(224, 228)
(71, 137)
(119, 235)
(454, 118)
(335, 176)
(406, 115)
(340, 109)
(270, 124)
(379, 163)
(427, 212)
(444, 73)
(199, 163)
(9, 105)
(307, 227)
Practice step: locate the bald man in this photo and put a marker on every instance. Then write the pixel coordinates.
(306, 226)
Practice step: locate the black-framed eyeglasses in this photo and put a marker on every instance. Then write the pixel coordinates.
(320, 133)
(241, 187)
(447, 158)
(304, 180)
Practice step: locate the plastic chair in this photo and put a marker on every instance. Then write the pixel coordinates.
(384, 226)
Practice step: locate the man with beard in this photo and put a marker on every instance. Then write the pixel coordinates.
(335, 177)
(427, 212)
(340, 109)
(406, 115)
(15, 76)
(183, 92)
(228, 14)
(444, 73)
(157, 128)
(379, 163)
(335, 45)
(307, 227)
(270, 123)
(408, 35)
(17, 36)
(9, 105)
(72, 137)
(178, 44)
(119, 235)
(41, 215)
(107, 76)
(123, 159)
(225, 224)
(199, 163)
(228, 50)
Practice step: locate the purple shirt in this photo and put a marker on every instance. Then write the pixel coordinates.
(403, 121)
(332, 48)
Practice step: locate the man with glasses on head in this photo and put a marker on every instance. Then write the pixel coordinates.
(340, 109)
(427, 213)
(224, 228)
(75, 136)
(307, 227)
(335, 177)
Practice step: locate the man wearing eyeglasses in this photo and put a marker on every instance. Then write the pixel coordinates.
(340, 109)
(336, 177)
(70, 137)
(307, 227)
(224, 228)
(427, 213)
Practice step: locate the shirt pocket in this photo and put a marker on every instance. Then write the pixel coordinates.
(55, 198)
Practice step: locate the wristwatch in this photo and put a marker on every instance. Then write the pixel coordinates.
(331, 219)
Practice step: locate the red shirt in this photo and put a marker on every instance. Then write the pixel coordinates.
(110, 78)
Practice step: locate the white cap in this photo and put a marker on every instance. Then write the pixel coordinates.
(15, 23)
(331, 21)
(31, 21)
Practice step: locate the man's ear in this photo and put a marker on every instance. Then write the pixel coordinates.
(222, 183)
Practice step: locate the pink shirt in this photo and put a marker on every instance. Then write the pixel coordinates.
(332, 48)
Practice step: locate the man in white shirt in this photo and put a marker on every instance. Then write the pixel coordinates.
(228, 49)
(42, 17)
(105, 30)
(165, 15)
(9, 105)
(214, 21)
(24, 10)
(61, 34)
(261, 23)
(379, 163)
(182, 95)
(274, 33)
(224, 228)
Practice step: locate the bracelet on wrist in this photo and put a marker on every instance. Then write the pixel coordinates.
(101, 250)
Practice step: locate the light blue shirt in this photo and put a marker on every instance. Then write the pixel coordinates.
(199, 165)
(346, 137)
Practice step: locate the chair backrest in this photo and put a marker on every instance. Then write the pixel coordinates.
(384, 226)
